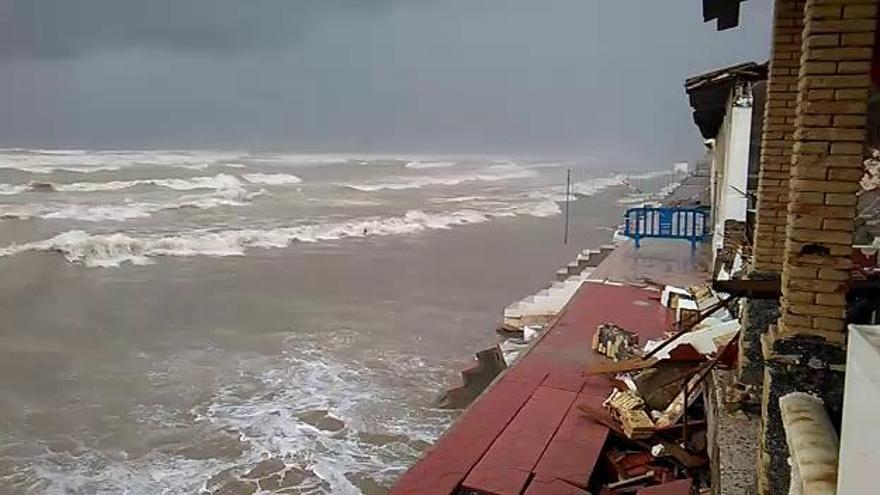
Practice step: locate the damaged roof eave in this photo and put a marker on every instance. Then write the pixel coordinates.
(708, 93)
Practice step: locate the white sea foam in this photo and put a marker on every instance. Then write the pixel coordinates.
(314, 379)
(545, 209)
(123, 212)
(294, 159)
(458, 199)
(593, 186)
(650, 175)
(79, 170)
(196, 166)
(99, 213)
(82, 161)
(589, 187)
(104, 250)
(128, 210)
(382, 408)
(219, 181)
(426, 165)
(500, 172)
(9, 189)
(271, 179)
(636, 198)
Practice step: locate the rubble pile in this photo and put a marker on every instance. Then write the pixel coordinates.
(656, 412)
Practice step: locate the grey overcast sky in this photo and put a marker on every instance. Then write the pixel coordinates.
(601, 78)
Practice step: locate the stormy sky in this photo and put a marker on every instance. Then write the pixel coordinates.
(600, 78)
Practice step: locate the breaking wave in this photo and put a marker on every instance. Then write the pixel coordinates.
(591, 187)
(84, 161)
(273, 409)
(70, 168)
(650, 175)
(271, 179)
(106, 250)
(219, 181)
(128, 210)
(9, 189)
(491, 174)
(425, 165)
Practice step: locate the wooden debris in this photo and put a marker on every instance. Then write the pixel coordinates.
(614, 367)
(620, 401)
(659, 386)
(637, 424)
(615, 342)
(628, 408)
(675, 410)
(654, 441)
(647, 477)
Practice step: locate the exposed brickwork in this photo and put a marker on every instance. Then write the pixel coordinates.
(833, 82)
(778, 135)
(734, 241)
(837, 47)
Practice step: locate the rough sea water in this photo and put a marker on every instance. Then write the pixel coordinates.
(188, 322)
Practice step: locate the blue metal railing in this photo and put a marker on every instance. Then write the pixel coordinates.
(690, 224)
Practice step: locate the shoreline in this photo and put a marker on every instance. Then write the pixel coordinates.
(487, 448)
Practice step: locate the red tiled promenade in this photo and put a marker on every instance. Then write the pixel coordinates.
(524, 435)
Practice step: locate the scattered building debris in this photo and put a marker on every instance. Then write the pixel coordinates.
(657, 411)
(615, 342)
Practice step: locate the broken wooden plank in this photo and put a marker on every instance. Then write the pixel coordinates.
(615, 367)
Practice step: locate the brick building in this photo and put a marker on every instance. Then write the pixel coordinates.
(816, 213)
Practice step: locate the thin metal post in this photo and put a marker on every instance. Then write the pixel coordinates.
(567, 195)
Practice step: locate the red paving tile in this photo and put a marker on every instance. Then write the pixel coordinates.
(575, 448)
(541, 486)
(506, 467)
(446, 465)
(662, 261)
(499, 443)
(677, 487)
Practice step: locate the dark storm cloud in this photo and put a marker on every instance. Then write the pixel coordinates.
(68, 28)
(588, 77)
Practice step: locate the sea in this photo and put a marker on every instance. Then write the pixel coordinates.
(183, 322)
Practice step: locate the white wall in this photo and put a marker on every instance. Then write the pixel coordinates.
(730, 164)
(737, 166)
(860, 434)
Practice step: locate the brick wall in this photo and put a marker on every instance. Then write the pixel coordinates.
(778, 136)
(833, 83)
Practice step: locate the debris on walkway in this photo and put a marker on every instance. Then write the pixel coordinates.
(657, 412)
